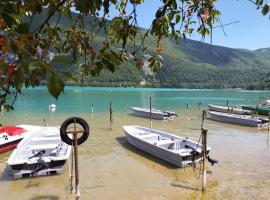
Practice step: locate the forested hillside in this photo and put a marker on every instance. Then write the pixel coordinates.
(186, 64)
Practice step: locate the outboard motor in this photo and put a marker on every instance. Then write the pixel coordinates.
(212, 161)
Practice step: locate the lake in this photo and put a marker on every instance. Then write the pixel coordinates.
(110, 168)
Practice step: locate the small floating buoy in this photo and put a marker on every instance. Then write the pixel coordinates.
(52, 107)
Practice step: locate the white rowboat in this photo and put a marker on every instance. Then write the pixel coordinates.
(155, 113)
(245, 120)
(166, 146)
(228, 109)
(41, 152)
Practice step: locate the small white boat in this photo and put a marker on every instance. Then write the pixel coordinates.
(42, 152)
(169, 147)
(155, 113)
(245, 120)
(52, 107)
(228, 109)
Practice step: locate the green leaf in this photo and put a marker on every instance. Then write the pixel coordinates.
(55, 86)
(23, 28)
(265, 9)
(19, 77)
(8, 107)
(70, 76)
(177, 20)
(259, 2)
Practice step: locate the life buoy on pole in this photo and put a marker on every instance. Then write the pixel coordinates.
(64, 132)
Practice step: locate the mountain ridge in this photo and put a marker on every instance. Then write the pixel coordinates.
(186, 63)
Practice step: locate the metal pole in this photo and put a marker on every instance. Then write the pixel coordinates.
(150, 112)
(204, 151)
(268, 120)
(111, 119)
(77, 192)
(92, 109)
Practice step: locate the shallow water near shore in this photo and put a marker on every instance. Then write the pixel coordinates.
(111, 168)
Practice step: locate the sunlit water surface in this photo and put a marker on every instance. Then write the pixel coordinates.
(110, 168)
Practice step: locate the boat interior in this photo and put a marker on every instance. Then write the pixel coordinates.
(41, 147)
(178, 145)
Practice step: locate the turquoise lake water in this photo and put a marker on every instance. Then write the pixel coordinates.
(111, 168)
(80, 99)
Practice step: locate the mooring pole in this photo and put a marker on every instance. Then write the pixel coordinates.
(45, 123)
(204, 151)
(150, 112)
(199, 105)
(92, 109)
(268, 120)
(111, 112)
(71, 170)
(187, 109)
(77, 192)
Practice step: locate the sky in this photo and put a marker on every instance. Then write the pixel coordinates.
(251, 32)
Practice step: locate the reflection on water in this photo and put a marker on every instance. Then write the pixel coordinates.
(111, 168)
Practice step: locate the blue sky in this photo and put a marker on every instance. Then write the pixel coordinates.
(252, 32)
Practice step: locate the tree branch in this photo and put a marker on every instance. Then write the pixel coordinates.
(49, 17)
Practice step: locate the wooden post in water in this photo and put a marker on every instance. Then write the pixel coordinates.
(77, 192)
(150, 112)
(92, 109)
(45, 123)
(199, 105)
(187, 109)
(268, 120)
(204, 151)
(227, 103)
(111, 117)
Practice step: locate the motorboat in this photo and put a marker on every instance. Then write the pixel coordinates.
(228, 109)
(244, 120)
(153, 113)
(174, 149)
(42, 152)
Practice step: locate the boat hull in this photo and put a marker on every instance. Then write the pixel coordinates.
(159, 116)
(26, 170)
(243, 120)
(9, 146)
(228, 109)
(261, 109)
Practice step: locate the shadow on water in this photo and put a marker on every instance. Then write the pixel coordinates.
(6, 175)
(123, 142)
(184, 186)
(46, 197)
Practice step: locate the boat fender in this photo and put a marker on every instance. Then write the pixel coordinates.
(72, 120)
(212, 161)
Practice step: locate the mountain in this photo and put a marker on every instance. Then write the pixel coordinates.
(186, 64)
